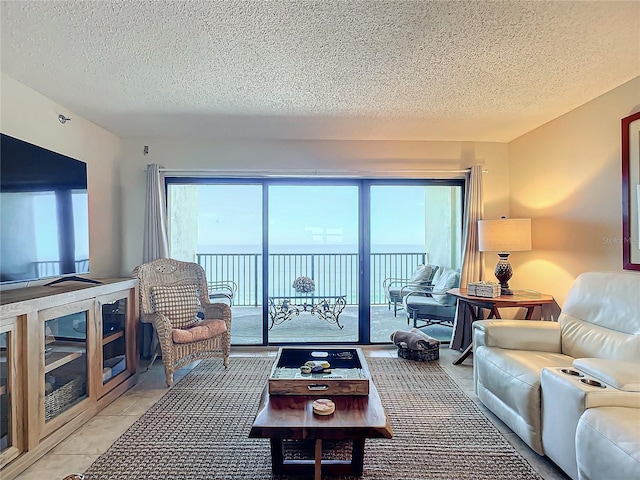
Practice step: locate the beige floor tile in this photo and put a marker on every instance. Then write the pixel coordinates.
(142, 404)
(133, 405)
(119, 406)
(141, 392)
(95, 436)
(56, 467)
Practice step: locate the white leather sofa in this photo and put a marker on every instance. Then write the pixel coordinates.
(571, 389)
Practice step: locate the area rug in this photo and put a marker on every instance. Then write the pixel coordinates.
(199, 430)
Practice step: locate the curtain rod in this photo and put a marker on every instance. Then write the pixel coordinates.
(307, 173)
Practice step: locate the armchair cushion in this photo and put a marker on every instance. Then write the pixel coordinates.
(179, 303)
(423, 274)
(202, 331)
(424, 305)
(447, 280)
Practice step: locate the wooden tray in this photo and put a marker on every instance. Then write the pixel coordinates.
(349, 372)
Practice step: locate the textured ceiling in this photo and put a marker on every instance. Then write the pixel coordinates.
(407, 70)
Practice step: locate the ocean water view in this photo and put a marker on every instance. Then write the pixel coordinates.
(308, 248)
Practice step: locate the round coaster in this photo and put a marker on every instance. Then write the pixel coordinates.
(323, 406)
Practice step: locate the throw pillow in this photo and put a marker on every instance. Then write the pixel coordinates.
(422, 275)
(448, 280)
(179, 303)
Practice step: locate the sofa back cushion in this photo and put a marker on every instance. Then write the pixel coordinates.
(601, 317)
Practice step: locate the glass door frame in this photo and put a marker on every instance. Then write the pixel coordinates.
(265, 256)
(365, 294)
(364, 233)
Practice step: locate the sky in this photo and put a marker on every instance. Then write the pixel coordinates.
(315, 216)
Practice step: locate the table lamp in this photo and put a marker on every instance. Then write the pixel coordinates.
(504, 236)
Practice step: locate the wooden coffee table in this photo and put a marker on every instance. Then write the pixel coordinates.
(291, 417)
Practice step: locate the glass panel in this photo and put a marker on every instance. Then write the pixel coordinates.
(5, 399)
(410, 225)
(114, 359)
(220, 227)
(313, 263)
(65, 360)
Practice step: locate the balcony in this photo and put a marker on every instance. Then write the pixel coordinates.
(335, 274)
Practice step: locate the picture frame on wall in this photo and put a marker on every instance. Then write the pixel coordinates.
(631, 192)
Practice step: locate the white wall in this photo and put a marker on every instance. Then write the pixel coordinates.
(566, 175)
(367, 156)
(32, 117)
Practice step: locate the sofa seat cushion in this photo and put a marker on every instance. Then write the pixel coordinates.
(426, 305)
(202, 331)
(513, 379)
(516, 375)
(397, 293)
(608, 443)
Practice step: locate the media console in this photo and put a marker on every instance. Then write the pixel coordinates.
(66, 352)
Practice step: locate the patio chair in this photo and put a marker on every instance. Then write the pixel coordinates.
(432, 305)
(175, 299)
(395, 289)
(224, 290)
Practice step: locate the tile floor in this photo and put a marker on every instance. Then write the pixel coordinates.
(82, 448)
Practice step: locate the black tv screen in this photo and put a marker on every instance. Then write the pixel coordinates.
(44, 229)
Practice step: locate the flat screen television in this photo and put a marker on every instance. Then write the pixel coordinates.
(44, 213)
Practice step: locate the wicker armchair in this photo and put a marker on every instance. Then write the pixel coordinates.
(175, 299)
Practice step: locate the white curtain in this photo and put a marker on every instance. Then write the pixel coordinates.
(155, 240)
(472, 267)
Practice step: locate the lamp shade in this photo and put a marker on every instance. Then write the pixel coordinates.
(504, 235)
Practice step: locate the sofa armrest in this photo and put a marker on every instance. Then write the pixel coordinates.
(533, 335)
(624, 376)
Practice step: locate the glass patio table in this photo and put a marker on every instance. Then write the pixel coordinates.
(326, 307)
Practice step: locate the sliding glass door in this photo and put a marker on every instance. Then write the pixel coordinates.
(313, 268)
(310, 261)
(411, 225)
(219, 226)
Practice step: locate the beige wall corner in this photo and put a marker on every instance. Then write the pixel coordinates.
(32, 117)
(566, 176)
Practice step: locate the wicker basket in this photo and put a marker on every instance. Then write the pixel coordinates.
(73, 388)
(428, 355)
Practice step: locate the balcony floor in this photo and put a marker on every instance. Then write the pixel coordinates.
(246, 327)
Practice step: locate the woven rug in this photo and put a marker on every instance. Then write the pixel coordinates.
(199, 430)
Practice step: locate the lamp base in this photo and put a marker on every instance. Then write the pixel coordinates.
(503, 273)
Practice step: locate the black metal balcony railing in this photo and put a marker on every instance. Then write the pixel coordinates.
(334, 273)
